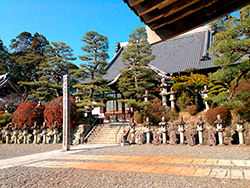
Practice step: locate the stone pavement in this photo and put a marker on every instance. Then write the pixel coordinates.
(212, 168)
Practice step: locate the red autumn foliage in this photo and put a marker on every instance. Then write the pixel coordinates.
(192, 110)
(243, 86)
(28, 113)
(211, 115)
(54, 112)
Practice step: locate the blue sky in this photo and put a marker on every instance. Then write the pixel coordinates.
(67, 20)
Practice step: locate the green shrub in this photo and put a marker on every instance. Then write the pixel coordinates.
(183, 101)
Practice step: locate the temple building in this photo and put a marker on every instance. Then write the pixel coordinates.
(7, 86)
(172, 57)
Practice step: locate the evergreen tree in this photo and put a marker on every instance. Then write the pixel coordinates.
(232, 48)
(4, 55)
(136, 77)
(91, 72)
(190, 86)
(27, 53)
(57, 63)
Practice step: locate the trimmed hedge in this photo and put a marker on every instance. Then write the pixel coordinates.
(28, 113)
(54, 112)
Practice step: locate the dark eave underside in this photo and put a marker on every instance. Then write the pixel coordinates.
(169, 18)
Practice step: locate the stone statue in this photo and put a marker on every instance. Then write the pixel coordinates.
(211, 139)
(124, 137)
(172, 138)
(156, 139)
(190, 138)
(140, 138)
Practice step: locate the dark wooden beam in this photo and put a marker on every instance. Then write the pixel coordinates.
(168, 10)
(148, 6)
(198, 18)
(177, 16)
(134, 2)
(206, 5)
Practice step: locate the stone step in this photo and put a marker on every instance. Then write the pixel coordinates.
(104, 140)
(108, 134)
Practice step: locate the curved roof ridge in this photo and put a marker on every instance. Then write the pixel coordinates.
(114, 58)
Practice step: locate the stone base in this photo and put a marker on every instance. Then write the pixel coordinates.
(164, 144)
(240, 145)
(221, 144)
(124, 144)
(147, 144)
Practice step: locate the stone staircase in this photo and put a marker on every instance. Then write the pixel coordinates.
(107, 133)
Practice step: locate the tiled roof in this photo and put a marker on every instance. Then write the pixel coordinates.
(181, 53)
(6, 78)
(173, 55)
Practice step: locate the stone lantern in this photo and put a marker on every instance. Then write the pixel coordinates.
(219, 129)
(146, 96)
(25, 133)
(44, 132)
(205, 92)
(163, 125)
(181, 129)
(7, 133)
(55, 132)
(132, 125)
(172, 97)
(200, 129)
(164, 92)
(147, 131)
(36, 129)
(15, 133)
(240, 129)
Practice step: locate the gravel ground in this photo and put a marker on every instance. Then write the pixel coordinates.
(47, 177)
(51, 177)
(17, 150)
(219, 152)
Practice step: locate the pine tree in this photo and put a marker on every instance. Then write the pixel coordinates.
(136, 77)
(27, 53)
(232, 48)
(4, 55)
(57, 63)
(91, 72)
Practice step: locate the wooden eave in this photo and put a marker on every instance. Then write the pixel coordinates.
(14, 87)
(168, 18)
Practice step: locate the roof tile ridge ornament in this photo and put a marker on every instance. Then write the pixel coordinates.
(115, 57)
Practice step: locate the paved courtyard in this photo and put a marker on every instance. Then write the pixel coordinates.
(130, 166)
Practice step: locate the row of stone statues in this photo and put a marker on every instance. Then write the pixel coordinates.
(41, 134)
(160, 136)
